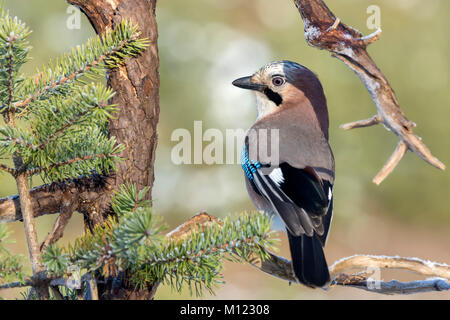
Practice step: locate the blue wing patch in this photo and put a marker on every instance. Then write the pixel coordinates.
(249, 166)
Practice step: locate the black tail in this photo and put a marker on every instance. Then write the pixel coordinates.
(308, 260)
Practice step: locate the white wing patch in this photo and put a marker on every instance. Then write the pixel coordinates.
(277, 176)
(330, 194)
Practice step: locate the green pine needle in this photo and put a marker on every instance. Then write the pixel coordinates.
(63, 133)
(134, 242)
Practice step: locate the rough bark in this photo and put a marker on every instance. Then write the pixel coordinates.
(137, 90)
(137, 94)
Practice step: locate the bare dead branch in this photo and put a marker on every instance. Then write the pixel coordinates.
(416, 265)
(393, 286)
(281, 268)
(392, 162)
(278, 267)
(324, 31)
(68, 203)
(371, 38)
(194, 224)
(361, 123)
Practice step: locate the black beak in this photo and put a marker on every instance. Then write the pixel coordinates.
(246, 83)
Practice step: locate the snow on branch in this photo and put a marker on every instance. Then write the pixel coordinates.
(324, 31)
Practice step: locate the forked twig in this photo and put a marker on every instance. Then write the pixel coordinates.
(324, 31)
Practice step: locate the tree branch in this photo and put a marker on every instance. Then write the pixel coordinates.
(281, 268)
(324, 31)
(416, 265)
(361, 123)
(68, 203)
(16, 284)
(23, 104)
(393, 286)
(5, 168)
(31, 233)
(47, 199)
(392, 162)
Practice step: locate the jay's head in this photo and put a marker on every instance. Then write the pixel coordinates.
(283, 85)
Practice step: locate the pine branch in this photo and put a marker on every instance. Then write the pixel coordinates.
(86, 106)
(10, 81)
(68, 204)
(65, 163)
(107, 51)
(14, 49)
(134, 242)
(15, 140)
(80, 156)
(128, 199)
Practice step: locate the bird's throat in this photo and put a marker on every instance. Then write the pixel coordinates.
(265, 105)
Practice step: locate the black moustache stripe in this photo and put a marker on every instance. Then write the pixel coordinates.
(273, 96)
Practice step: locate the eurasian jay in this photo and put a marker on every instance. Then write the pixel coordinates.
(298, 185)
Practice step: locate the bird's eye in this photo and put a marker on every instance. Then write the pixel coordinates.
(277, 81)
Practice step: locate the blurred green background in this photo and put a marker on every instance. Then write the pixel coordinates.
(208, 43)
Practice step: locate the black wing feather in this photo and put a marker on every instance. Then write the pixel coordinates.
(285, 209)
(301, 199)
(304, 189)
